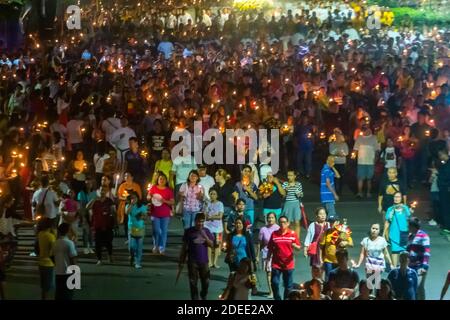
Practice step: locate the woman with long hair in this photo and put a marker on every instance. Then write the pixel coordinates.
(191, 195)
(214, 215)
(136, 213)
(385, 292)
(240, 282)
(122, 194)
(161, 198)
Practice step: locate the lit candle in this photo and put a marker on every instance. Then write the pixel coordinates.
(117, 181)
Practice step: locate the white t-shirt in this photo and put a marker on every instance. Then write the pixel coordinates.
(207, 182)
(366, 147)
(51, 210)
(63, 250)
(389, 157)
(212, 209)
(120, 138)
(74, 131)
(375, 248)
(182, 166)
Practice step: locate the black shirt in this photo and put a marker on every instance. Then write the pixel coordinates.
(225, 194)
(388, 189)
(274, 201)
(344, 278)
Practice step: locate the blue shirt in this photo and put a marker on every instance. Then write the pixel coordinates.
(404, 285)
(135, 213)
(325, 194)
(166, 48)
(239, 245)
(84, 198)
(249, 201)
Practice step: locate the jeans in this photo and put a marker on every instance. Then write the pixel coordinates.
(331, 211)
(327, 267)
(189, 218)
(87, 236)
(160, 230)
(304, 162)
(136, 245)
(288, 280)
(421, 287)
(197, 270)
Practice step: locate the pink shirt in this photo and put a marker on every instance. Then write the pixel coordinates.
(163, 210)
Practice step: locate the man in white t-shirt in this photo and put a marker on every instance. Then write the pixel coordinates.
(64, 252)
(367, 147)
(120, 139)
(48, 197)
(206, 181)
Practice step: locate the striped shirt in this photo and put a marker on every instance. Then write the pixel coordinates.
(419, 250)
(292, 191)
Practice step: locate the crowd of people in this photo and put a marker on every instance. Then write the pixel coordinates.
(86, 128)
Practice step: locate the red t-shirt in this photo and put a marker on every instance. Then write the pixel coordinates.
(282, 251)
(102, 216)
(163, 210)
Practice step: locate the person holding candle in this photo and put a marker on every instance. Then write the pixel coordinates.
(342, 281)
(162, 199)
(79, 168)
(135, 163)
(122, 194)
(191, 195)
(246, 189)
(396, 227)
(163, 165)
(388, 188)
(136, 224)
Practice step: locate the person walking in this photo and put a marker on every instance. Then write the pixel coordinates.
(137, 213)
(328, 194)
(404, 279)
(196, 241)
(293, 192)
(315, 232)
(162, 199)
(214, 213)
(419, 253)
(281, 250)
(46, 240)
(65, 253)
(396, 227)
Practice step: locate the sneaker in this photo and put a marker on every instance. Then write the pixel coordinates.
(161, 252)
(86, 251)
(216, 266)
(99, 262)
(126, 242)
(91, 251)
(432, 223)
(33, 254)
(138, 266)
(155, 250)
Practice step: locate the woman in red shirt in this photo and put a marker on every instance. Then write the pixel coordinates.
(162, 200)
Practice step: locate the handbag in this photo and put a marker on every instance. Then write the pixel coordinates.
(313, 246)
(137, 232)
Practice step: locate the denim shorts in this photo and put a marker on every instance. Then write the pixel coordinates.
(365, 171)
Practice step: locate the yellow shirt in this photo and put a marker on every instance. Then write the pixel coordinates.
(46, 241)
(329, 245)
(163, 166)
